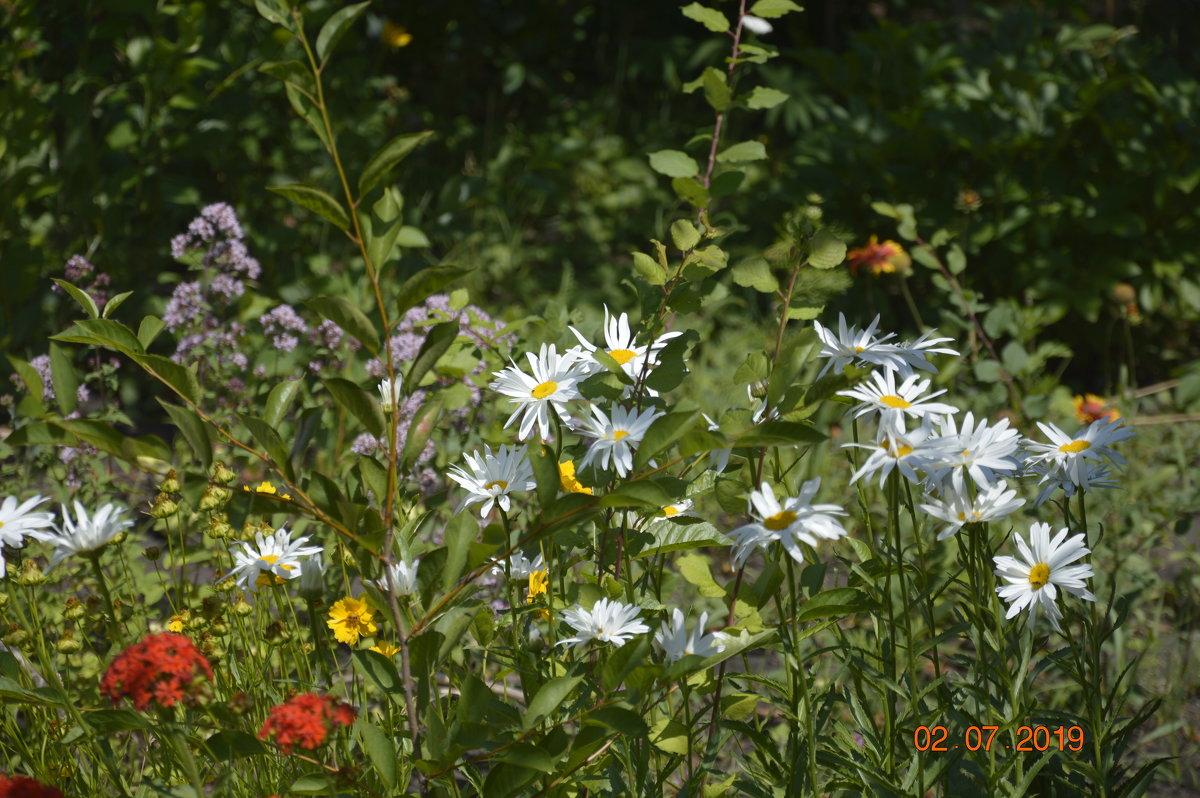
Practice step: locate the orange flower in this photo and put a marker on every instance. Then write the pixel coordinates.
(164, 669)
(305, 720)
(1089, 408)
(886, 258)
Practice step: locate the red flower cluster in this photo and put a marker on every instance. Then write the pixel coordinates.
(305, 720)
(25, 787)
(164, 669)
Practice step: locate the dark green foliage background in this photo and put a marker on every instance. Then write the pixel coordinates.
(1075, 123)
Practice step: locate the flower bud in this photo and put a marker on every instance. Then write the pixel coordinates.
(219, 528)
(3, 600)
(312, 578)
(67, 644)
(163, 506)
(152, 553)
(218, 627)
(222, 475)
(226, 585)
(242, 608)
(30, 574)
(120, 537)
(276, 633)
(214, 498)
(170, 484)
(1124, 293)
(15, 636)
(73, 609)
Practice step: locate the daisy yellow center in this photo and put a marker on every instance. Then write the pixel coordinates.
(545, 389)
(1, 523)
(858, 350)
(499, 483)
(897, 402)
(962, 516)
(670, 511)
(1039, 575)
(622, 356)
(619, 434)
(781, 520)
(1075, 447)
(902, 450)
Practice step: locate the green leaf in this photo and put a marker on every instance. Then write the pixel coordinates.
(62, 374)
(379, 670)
(527, 756)
(280, 400)
(956, 261)
(424, 284)
(638, 493)
(316, 200)
(437, 341)
(274, 11)
(335, 28)
(388, 156)
(349, 318)
(649, 269)
(313, 784)
(662, 433)
(194, 430)
(756, 273)
(29, 376)
(180, 378)
(357, 403)
(691, 191)
(716, 91)
(619, 719)
(780, 433)
(268, 439)
(684, 235)
(304, 107)
(742, 152)
(79, 295)
(765, 97)
(826, 250)
(549, 697)
(672, 536)
(773, 9)
(670, 736)
(673, 163)
(230, 744)
(148, 330)
(115, 302)
(546, 475)
(409, 236)
(839, 601)
(292, 73)
(419, 430)
(710, 18)
(108, 333)
(696, 570)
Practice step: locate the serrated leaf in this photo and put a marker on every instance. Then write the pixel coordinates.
(755, 273)
(388, 156)
(673, 163)
(424, 284)
(773, 9)
(357, 403)
(826, 250)
(765, 97)
(348, 317)
(684, 235)
(316, 200)
(335, 28)
(742, 152)
(710, 18)
(649, 269)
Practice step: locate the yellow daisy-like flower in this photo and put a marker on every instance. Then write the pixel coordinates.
(287, 497)
(886, 258)
(566, 475)
(386, 649)
(539, 584)
(395, 35)
(351, 619)
(263, 487)
(175, 624)
(1090, 407)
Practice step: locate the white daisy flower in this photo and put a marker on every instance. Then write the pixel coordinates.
(909, 452)
(717, 458)
(312, 577)
(519, 566)
(390, 393)
(793, 522)
(607, 621)
(404, 575)
(677, 643)
(620, 346)
(494, 476)
(1096, 475)
(852, 344)
(273, 559)
(19, 520)
(756, 24)
(881, 395)
(553, 384)
(616, 435)
(1043, 567)
(915, 354)
(957, 509)
(680, 509)
(1067, 456)
(83, 534)
(980, 451)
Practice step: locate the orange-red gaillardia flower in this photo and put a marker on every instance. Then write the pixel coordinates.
(25, 787)
(164, 669)
(1089, 408)
(886, 258)
(305, 720)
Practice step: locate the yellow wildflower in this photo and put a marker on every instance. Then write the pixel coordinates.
(263, 487)
(1090, 407)
(566, 475)
(395, 35)
(539, 584)
(386, 649)
(175, 624)
(351, 619)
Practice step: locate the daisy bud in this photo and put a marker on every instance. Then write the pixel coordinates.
(120, 537)
(242, 608)
(222, 475)
(218, 627)
(227, 585)
(15, 636)
(218, 528)
(73, 610)
(170, 484)
(277, 634)
(152, 553)
(3, 600)
(163, 507)
(213, 498)
(30, 574)
(67, 644)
